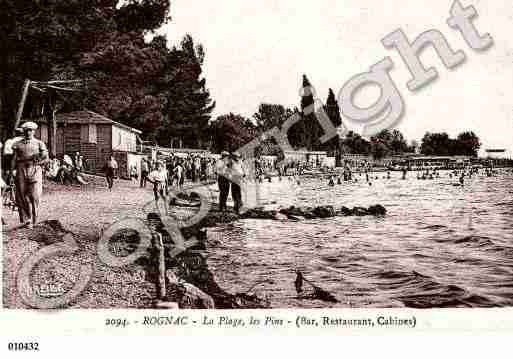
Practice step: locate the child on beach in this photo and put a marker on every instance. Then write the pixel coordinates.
(179, 174)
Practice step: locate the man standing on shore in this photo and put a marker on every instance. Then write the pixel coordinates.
(29, 153)
(110, 171)
(236, 179)
(222, 180)
(144, 172)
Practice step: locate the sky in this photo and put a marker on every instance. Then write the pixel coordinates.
(257, 52)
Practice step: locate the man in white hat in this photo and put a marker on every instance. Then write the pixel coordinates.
(29, 154)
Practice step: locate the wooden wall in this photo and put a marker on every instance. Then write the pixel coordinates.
(71, 139)
(104, 145)
(95, 144)
(92, 141)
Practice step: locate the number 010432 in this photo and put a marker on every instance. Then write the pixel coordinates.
(20, 346)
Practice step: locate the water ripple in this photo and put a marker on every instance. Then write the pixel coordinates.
(438, 246)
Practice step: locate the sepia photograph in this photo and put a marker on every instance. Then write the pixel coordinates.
(160, 154)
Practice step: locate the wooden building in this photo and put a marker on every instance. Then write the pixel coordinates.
(96, 138)
(315, 158)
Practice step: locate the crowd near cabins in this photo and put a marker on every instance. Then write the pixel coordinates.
(97, 137)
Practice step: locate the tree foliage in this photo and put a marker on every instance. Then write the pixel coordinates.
(353, 143)
(305, 134)
(467, 143)
(187, 106)
(139, 83)
(43, 40)
(142, 15)
(440, 144)
(270, 116)
(230, 132)
(332, 109)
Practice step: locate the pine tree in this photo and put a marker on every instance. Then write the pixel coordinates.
(312, 130)
(333, 112)
(188, 103)
(307, 132)
(332, 109)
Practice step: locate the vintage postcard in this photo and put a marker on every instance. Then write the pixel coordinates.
(317, 167)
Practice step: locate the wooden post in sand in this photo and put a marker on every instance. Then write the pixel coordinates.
(162, 268)
(160, 302)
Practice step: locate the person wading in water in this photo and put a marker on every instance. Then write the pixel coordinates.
(29, 155)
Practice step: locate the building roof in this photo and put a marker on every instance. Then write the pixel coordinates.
(423, 158)
(176, 150)
(90, 117)
(305, 152)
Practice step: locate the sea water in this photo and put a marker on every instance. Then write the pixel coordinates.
(439, 245)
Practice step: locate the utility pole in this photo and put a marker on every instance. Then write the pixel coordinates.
(53, 133)
(26, 86)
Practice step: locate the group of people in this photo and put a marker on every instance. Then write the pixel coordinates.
(173, 172)
(426, 174)
(287, 167)
(159, 171)
(194, 168)
(66, 170)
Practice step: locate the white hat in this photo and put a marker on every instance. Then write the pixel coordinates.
(29, 125)
(237, 155)
(225, 153)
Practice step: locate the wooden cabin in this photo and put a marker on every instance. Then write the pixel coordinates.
(97, 138)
